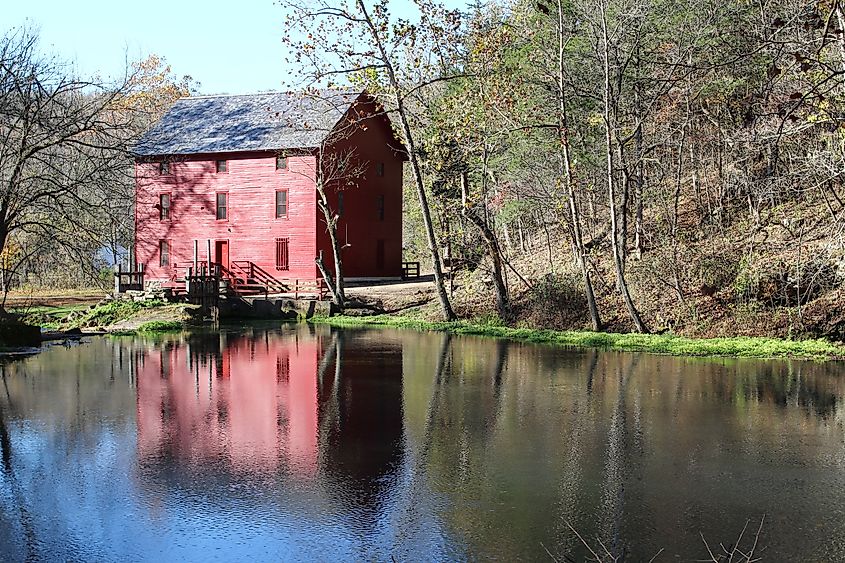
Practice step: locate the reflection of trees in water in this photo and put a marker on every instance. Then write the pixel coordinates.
(570, 485)
(10, 475)
(598, 425)
(479, 435)
(413, 495)
(781, 383)
(361, 420)
(619, 464)
(56, 408)
(498, 378)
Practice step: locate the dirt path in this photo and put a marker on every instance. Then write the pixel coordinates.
(393, 295)
(388, 295)
(57, 299)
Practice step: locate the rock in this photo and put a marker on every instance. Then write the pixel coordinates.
(16, 333)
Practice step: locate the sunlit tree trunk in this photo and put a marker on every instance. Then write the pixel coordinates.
(574, 211)
(618, 263)
(407, 133)
(502, 299)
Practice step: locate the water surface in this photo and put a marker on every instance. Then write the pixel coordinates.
(310, 443)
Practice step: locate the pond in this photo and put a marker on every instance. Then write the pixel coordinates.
(299, 442)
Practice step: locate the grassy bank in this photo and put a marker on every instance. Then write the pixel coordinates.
(123, 316)
(740, 347)
(49, 317)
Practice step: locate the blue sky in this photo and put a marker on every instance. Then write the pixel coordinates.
(231, 47)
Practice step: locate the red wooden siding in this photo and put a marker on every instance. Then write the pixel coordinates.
(251, 227)
(246, 186)
(254, 384)
(367, 218)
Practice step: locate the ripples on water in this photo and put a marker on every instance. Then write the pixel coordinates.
(304, 443)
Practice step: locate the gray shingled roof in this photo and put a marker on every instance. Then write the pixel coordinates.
(269, 121)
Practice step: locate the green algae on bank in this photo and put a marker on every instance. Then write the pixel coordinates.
(665, 344)
(161, 326)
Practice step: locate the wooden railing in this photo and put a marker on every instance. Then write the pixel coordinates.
(318, 288)
(202, 285)
(206, 283)
(129, 280)
(410, 270)
(247, 277)
(248, 273)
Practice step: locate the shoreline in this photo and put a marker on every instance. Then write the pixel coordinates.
(763, 348)
(819, 350)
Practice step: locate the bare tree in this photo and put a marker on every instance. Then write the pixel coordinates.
(336, 170)
(63, 147)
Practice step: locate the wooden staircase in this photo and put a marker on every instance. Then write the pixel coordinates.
(245, 279)
(248, 279)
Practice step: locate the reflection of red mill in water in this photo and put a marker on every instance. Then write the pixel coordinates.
(251, 402)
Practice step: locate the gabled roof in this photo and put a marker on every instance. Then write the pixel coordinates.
(251, 122)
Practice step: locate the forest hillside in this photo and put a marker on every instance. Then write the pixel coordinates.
(624, 165)
(643, 166)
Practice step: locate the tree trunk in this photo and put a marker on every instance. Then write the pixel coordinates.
(522, 245)
(3, 269)
(622, 210)
(502, 299)
(336, 285)
(611, 187)
(639, 181)
(574, 211)
(402, 112)
(508, 241)
(329, 282)
(445, 305)
(840, 18)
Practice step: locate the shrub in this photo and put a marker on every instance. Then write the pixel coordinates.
(717, 270)
(555, 301)
(784, 283)
(110, 312)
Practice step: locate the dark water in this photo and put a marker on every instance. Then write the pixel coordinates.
(303, 443)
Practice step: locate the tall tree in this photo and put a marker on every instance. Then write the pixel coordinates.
(346, 41)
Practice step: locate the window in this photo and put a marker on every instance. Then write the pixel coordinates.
(281, 203)
(163, 207)
(380, 254)
(163, 168)
(221, 166)
(282, 254)
(163, 253)
(340, 204)
(222, 206)
(380, 207)
(281, 162)
(380, 169)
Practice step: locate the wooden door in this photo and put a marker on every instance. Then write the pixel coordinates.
(221, 253)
